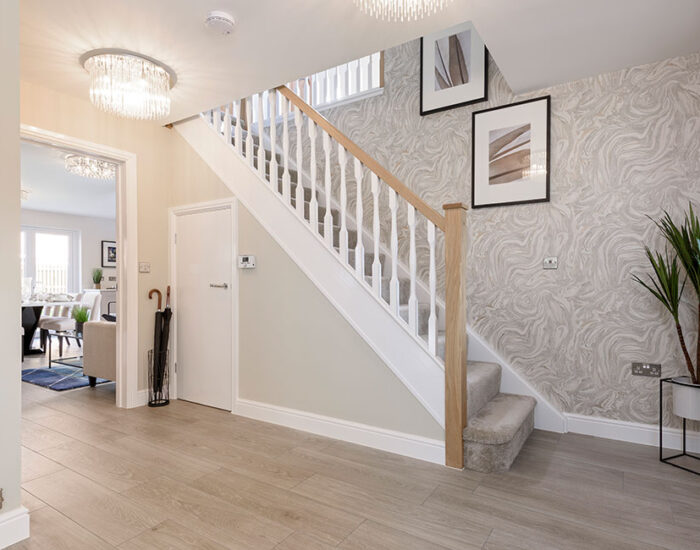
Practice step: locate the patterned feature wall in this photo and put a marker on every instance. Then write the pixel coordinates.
(624, 145)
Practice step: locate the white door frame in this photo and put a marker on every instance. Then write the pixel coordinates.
(173, 213)
(127, 266)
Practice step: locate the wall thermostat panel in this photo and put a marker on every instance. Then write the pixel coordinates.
(246, 262)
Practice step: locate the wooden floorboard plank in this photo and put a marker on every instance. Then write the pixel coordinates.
(328, 524)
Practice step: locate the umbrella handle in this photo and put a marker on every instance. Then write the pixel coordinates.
(160, 296)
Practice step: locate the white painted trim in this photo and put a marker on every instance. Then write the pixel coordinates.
(141, 398)
(547, 416)
(632, 432)
(371, 318)
(414, 446)
(14, 526)
(173, 213)
(127, 265)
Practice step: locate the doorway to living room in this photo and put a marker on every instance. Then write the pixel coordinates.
(79, 289)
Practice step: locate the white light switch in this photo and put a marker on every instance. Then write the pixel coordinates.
(551, 262)
(144, 267)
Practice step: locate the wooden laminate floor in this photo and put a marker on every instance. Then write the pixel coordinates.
(186, 476)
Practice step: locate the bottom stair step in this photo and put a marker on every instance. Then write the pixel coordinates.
(494, 437)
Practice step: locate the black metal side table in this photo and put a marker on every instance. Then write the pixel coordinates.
(668, 459)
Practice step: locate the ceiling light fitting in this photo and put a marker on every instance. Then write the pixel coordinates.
(129, 84)
(401, 10)
(89, 167)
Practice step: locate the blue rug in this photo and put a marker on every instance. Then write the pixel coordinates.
(58, 378)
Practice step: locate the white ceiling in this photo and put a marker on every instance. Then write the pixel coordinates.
(536, 43)
(53, 189)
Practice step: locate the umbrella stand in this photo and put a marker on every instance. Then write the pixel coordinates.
(158, 383)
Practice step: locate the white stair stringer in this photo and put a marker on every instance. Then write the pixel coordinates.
(404, 353)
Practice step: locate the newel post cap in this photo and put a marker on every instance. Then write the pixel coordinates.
(455, 206)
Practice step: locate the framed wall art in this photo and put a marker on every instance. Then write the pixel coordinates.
(454, 69)
(510, 154)
(109, 254)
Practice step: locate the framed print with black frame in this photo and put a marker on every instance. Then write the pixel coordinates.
(109, 254)
(510, 154)
(453, 69)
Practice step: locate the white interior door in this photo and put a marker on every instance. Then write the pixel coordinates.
(203, 258)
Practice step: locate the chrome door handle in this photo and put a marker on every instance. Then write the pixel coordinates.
(222, 285)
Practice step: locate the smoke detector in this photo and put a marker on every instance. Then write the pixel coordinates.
(220, 22)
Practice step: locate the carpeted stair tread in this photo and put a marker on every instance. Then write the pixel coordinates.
(500, 419)
(483, 384)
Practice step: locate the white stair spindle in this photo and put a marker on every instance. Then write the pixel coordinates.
(227, 123)
(261, 134)
(369, 72)
(359, 247)
(432, 283)
(376, 264)
(322, 88)
(299, 196)
(274, 174)
(358, 76)
(249, 129)
(334, 84)
(376, 67)
(217, 121)
(285, 150)
(344, 80)
(412, 300)
(394, 281)
(238, 131)
(343, 240)
(313, 203)
(328, 217)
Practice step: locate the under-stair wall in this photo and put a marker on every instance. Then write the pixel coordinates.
(419, 377)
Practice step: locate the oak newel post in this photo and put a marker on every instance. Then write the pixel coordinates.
(455, 333)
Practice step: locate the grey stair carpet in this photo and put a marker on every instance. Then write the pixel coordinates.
(494, 436)
(498, 423)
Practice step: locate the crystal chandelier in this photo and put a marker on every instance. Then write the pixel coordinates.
(89, 167)
(129, 85)
(401, 10)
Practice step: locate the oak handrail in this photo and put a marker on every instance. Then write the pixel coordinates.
(404, 191)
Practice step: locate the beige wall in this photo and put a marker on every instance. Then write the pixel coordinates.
(9, 252)
(92, 232)
(298, 351)
(164, 161)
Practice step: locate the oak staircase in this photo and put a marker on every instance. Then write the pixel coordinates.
(484, 428)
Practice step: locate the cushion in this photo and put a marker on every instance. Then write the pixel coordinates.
(57, 323)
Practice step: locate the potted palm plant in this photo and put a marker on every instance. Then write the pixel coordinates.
(81, 316)
(97, 276)
(666, 285)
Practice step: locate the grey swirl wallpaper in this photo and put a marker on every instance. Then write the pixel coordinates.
(624, 145)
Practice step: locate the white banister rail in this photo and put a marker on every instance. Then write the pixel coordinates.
(411, 226)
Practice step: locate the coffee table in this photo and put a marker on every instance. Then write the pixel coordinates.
(78, 336)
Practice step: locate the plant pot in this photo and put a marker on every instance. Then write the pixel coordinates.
(98, 285)
(686, 398)
(79, 327)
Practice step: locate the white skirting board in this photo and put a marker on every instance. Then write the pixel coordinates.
(632, 432)
(414, 446)
(14, 526)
